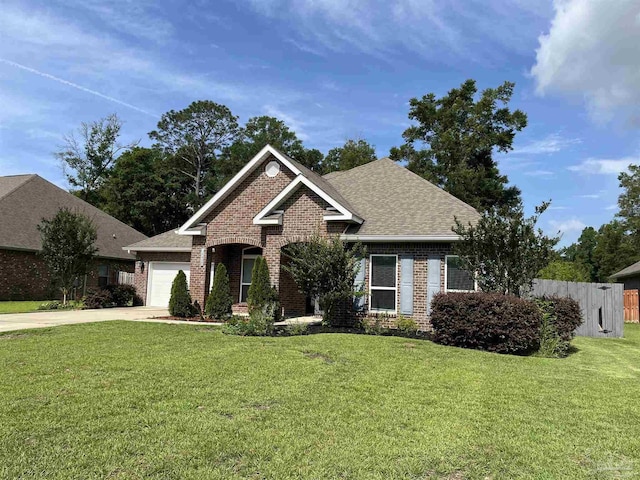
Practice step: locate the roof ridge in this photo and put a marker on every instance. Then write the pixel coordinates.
(30, 177)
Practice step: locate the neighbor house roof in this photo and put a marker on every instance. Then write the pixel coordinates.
(396, 202)
(630, 271)
(26, 199)
(169, 241)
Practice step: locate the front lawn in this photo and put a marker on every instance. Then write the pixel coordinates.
(133, 400)
(21, 306)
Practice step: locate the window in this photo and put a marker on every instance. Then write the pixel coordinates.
(457, 279)
(249, 256)
(103, 275)
(383, 275)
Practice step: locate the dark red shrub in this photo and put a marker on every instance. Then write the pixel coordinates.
(486, 321)
(567, 313)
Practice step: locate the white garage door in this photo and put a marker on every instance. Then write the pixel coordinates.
(161, 277)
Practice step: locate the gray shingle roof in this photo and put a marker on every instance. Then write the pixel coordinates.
(630, 271)
(395, 201)
(167, 241)
(26, 199)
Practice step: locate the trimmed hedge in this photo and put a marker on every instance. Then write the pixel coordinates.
(122, 295)
(486, 321)
(180, 302)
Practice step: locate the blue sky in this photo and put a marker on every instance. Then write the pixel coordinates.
(336, 69)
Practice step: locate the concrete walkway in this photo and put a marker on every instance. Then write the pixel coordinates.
(21, 321)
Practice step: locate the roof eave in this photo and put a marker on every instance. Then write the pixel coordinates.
(400, 238)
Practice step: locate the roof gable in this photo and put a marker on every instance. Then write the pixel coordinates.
(302, 173)
(27, 202)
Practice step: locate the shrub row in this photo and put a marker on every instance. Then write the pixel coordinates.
(504, 323)
(486, 321)
(111, 296)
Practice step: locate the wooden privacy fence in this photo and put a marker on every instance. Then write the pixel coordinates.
(631, 304)
(125, 278)
(601, 304)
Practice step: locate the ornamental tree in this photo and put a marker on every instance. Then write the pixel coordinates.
(219, 301)
(68, 247)
(504, 249)
(180, 304)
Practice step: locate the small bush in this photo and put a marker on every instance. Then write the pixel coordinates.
(122, 295)
(260, 289)
(53, 305)
(407, 326)
(374, 325)
(297, 328)
(258, 323)
(180, 302)
(219, 301)
(560, 317)
(486, 321)
(98, 299)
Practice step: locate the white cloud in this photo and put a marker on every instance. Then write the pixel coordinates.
(567, 226)
(539, 173)
(591, 52)
(612, 207)
(596, 166)
(552, 143)
(559, 207)
(589, 195)
(470, 29)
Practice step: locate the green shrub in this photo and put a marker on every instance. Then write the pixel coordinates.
(407, 326)
(486, 321)
(374, 325)
(53, 305)
(560, 317)
(122, 295)
(180, 304)
(219, 301)
(297, 328)
(98, 299)
(260, 288)
(258, 323)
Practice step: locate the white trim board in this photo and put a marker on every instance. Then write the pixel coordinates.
(399, 238)
(187, 228)
(345, 214)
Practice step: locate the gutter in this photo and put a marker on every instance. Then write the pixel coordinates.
(157, 249)
(399, 238)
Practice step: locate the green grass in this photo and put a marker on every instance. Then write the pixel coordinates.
(20, 307)
(132, 400)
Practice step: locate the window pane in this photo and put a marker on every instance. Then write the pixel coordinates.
(245, 291)
(383, 271)
(383, 300)
(103, 270)
(247, 268)
(457, 278)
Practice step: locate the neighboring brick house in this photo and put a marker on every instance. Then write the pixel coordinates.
(403, 220)
(24, 201)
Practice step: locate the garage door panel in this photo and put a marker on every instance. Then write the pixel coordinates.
(161, 276)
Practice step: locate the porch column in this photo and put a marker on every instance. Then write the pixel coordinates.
(199, 273)
(271, 253)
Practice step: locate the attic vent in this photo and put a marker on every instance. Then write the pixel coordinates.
(272, 169)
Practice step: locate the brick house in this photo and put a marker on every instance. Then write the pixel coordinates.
(24, 201)
(403, 220)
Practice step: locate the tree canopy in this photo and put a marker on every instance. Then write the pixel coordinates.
(504, 249)
(352, 154)
(68, 246)
(195, 137)
(454, 139)
(88, 156)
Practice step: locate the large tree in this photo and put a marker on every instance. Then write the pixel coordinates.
(614, 250)
(504, 249)
(195, 137)
(629, 202)
(352, 154)
(454, 139)
(88, 156)
(68, 246)
(581, 253)
(144, 192)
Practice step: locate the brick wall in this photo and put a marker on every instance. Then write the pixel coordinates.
(24, 276)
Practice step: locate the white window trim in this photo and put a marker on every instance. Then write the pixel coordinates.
(446, 273)
(371, 287)
(248, 256)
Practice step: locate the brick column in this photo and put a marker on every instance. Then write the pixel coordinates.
(271, 253)
(198, 277)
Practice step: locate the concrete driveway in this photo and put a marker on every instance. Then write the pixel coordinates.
(20, 321)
